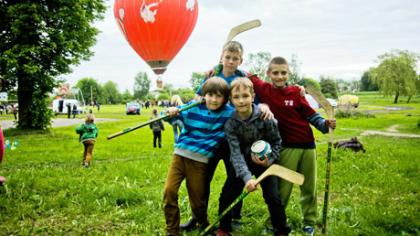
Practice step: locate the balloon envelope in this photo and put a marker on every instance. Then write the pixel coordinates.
(156, 29)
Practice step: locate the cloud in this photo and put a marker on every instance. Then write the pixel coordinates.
(339, 38)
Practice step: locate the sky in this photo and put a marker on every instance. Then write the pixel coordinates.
(337, 38)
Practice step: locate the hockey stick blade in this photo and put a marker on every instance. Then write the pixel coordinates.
(319, 97)
(284, 173)
(243, 27)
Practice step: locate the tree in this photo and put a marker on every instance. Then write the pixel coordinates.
(367, 83)
(91, 90)
(257, 63)
(141, 85)
(110, 93)
(39, 41)
(328, 87)
(294, 66)
(396, 74)
(308, 81)
(196, 80)
(126, 96)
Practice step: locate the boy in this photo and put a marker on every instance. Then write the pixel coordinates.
(298, 143)
(202, 133)
(230, 59)
(88, 134)
(157, 128)
(242, 130)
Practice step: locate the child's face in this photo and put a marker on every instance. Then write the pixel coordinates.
(214, 100)
(231, 61)
(242, 99)
(279, 74)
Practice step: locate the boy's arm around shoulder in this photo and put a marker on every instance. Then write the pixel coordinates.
(236, 157)
(274, 140)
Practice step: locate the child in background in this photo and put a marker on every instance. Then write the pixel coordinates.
(177, 124)
(157, 128)
(242, 130)
(200, 137)
(88, 134)
(294, 114)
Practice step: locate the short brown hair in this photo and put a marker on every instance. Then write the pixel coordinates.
(277, 61)
(233, 46)
(241, 82)
(90, 118)
(216, 85)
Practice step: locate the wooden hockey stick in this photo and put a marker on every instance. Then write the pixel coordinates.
(243, 27)
(275, 170)
(127, 130)
(319, 97)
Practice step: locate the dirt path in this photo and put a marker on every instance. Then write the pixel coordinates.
(391, 132)
(60, 122)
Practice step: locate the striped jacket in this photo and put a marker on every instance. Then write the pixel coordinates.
(203, 132)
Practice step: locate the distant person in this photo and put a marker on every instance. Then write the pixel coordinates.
(14, 111)
(98, 106)
(68, 105)
(147, 104)
(74, 111)
(157, 128)
(88, 134)
(176, 123)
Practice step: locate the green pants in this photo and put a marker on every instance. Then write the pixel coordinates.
(304, 162)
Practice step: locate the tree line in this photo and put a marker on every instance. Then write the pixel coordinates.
(41, 40)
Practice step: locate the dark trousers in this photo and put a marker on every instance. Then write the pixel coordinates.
(157, 135)
(222, 153)
(233, 188)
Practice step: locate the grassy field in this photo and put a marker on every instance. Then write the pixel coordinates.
(49, 193)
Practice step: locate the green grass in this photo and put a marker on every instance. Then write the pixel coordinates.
(49, 193)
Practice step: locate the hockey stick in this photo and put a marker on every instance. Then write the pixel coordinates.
(317, 95)
(124, 131)
(275, 170)
(243, 27)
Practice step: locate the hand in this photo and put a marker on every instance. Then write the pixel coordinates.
(209, 74)
(302, 90)
(251, 185)
(172, 111)
(266, 113)
(258, 161)
(331, 123)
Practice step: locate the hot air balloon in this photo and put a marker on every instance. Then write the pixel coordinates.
(156, 29)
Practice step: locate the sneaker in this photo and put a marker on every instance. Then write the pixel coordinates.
(236, 224)
(309, 230)
(190, 225)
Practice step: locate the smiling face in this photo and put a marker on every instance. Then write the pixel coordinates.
(242, 99)
(279, 74)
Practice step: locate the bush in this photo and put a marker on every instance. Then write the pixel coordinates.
(349, 111)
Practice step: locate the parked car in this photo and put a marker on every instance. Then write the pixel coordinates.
(133, 108)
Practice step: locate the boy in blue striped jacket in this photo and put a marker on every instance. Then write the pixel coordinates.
(203, 132)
